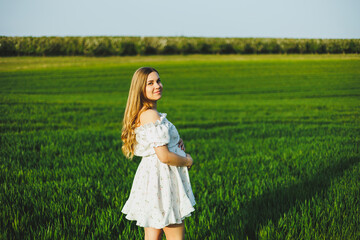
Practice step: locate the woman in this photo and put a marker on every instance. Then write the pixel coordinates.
(161, 195)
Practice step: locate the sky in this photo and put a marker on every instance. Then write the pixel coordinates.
(192, 18)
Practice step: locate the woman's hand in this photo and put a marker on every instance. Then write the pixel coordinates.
(190, 162)
(181, 144)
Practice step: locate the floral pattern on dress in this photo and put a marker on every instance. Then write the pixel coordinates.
(160, 194)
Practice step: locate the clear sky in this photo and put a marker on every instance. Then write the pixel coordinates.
(202, 18)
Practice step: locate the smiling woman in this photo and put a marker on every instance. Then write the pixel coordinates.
(161, 195)
(154, 87)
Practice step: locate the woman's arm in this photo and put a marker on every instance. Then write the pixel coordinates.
(163, 152)
(170, 158)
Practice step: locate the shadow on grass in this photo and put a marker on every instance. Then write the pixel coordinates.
(272, 205)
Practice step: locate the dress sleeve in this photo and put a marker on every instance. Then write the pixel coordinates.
(157, 134)
(152, 135)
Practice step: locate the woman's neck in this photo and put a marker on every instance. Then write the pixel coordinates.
(154, 105)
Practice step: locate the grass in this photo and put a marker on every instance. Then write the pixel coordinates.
(275, 139)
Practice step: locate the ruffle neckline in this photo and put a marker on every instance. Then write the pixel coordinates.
(151, 124)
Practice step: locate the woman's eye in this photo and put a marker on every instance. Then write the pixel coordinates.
(150, 83)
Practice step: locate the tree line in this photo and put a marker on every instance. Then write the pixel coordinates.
(130, 46)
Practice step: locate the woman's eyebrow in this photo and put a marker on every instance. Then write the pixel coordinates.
(153, 80)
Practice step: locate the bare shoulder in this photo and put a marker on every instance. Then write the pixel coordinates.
(148, 116)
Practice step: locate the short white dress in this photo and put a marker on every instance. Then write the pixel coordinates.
(160, 194)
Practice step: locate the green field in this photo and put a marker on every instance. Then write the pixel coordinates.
(275, 141)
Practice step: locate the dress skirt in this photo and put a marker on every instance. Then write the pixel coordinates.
(160, 194)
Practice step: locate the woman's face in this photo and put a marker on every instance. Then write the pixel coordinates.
(154, 87)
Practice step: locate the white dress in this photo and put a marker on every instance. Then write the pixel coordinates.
(160, 194)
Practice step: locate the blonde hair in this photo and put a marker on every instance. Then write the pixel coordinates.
(136, 104)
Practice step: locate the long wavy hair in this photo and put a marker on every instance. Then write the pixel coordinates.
(136, 104)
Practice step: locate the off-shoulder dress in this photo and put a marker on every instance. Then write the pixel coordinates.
(160, 194)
